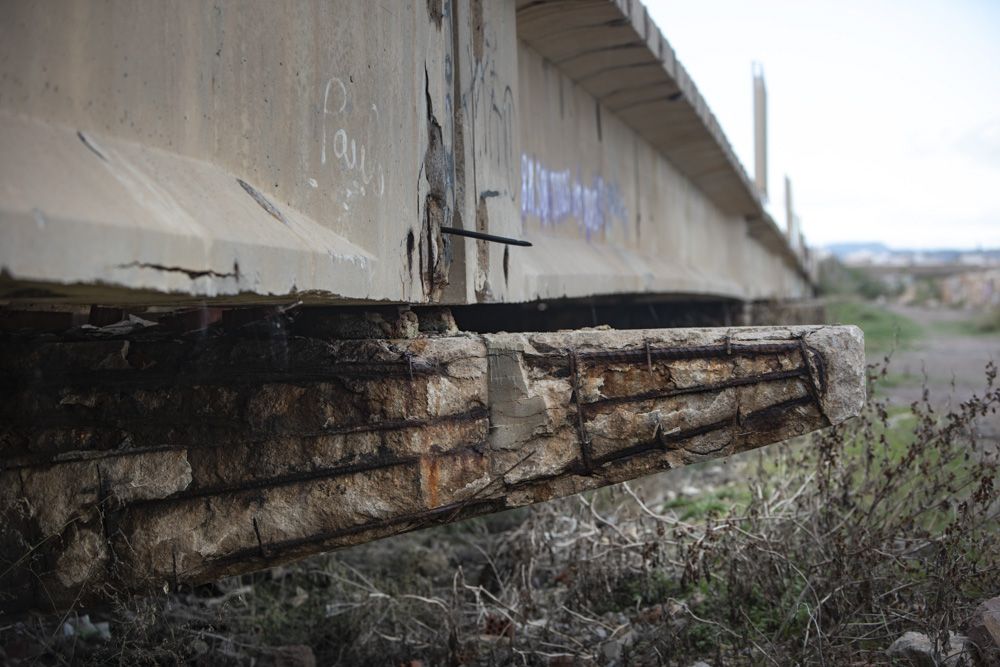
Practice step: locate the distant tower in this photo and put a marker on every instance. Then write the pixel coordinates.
(760, 130)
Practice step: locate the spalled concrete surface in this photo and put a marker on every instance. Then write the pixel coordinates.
(134, 462)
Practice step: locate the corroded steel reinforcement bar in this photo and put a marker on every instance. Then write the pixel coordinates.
(131, 463)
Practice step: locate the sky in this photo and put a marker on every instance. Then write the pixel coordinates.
(884, 113)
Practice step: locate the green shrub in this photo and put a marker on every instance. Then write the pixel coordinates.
(884, 329)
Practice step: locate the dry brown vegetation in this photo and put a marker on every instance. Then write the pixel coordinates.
(824, 551)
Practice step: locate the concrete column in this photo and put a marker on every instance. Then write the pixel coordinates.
(760, 130)
(789, 212)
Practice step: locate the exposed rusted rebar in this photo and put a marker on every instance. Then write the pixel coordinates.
(130, 463)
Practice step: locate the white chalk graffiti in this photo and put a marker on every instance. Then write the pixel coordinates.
(351, 153)
(557, 196)
(490, 101)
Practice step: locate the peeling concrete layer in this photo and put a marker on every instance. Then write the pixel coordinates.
(136, 463)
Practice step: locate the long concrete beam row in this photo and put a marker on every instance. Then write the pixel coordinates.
(326, 151)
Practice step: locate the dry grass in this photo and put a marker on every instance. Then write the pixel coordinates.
(826, 550)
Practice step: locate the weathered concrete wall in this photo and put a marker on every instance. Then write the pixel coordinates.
(315, 150)
(224, 148)
(133, 461)
(609, 213)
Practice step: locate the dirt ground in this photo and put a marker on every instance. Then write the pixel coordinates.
(953, 362)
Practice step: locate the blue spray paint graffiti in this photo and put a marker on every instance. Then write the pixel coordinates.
(557, 196)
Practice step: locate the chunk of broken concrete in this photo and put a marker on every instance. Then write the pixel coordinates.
(916, 649)
(984, 631)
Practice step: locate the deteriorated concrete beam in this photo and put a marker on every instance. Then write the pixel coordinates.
(136, 463)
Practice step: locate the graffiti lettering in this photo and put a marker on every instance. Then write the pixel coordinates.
(490, 102)
(350, 152)
(555, 197)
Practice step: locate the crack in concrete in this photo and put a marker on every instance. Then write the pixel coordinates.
(190, 273)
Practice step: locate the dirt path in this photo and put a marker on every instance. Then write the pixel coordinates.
(954, 363)
(944, 355)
